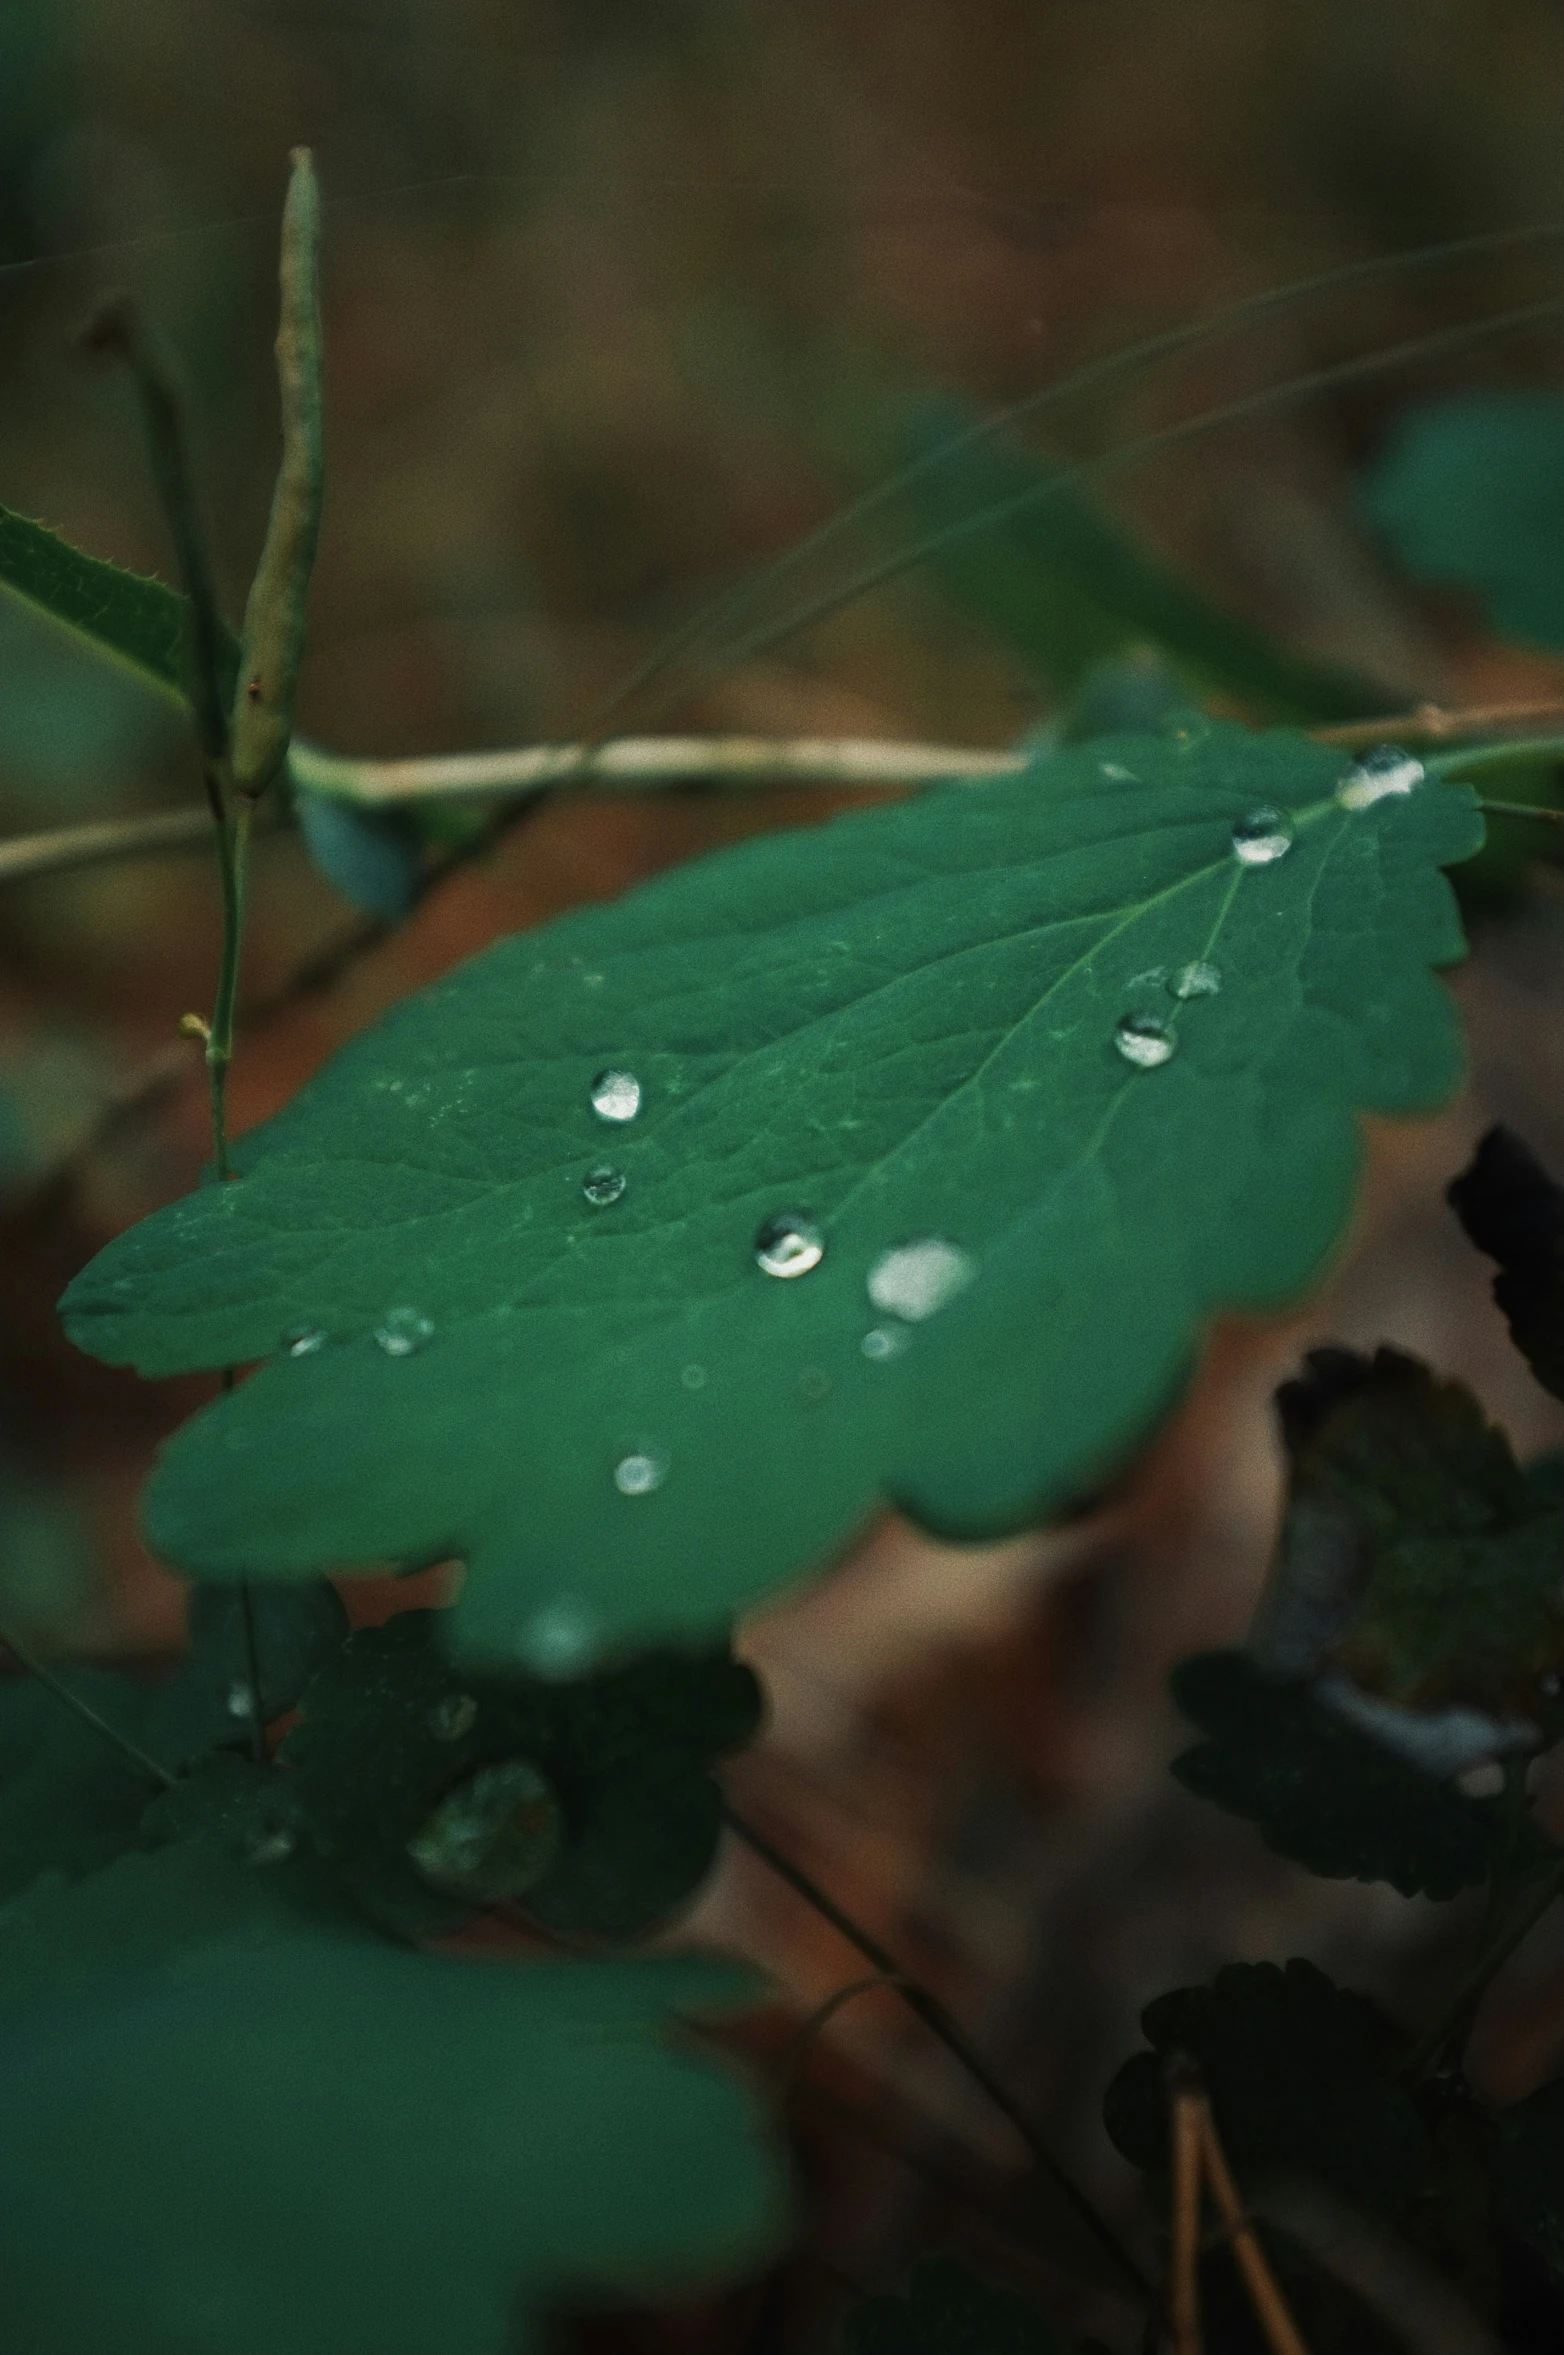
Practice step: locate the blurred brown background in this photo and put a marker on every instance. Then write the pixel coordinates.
(619, 295)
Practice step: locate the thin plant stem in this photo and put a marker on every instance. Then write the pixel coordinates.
(1128, 361)
(1446, 2041)
(1482, 760)
(1186, 2171)
(1521, 809)
(1271, 2310)
(940, 2022)
(1431, 723)
(1152, 445)
(85, 1711)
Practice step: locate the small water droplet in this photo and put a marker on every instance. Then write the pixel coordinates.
(1145, 1040)
(494, 1836)
(916, 1279)
(560, 1640)
(616, 1095)
(403, 1331)
(603, 1185)
(271, 1847)
(1120, 776)
(453, 1715)
(815, 1383)
(1198, 980)
(304, 1340)
(693, 1377)
(1262, 838)
(880, 1342)
(639, 1474)
(240, 1700)
(1379, 774)
(789, 1245)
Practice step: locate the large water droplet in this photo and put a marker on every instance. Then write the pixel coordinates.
(1198, 980)
(453, 1716)
(560, 1640)
(494, 1836)
(603, 1185)
(403, 1331)
(273, 1847)
(789, 1245)
(616, 1095)
(1385, 771)
(304, 1340)
(916, 1279)
(1262, 838)
(1145, 1040)
(639, 1474)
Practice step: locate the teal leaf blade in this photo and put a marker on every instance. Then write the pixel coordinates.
(134, 621)
(900, 1030)
(1058, 577)
(1470, 494)
(236, 2124)
(1321, 1792)
(389, 1728)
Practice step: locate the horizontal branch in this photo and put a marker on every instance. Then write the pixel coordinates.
(658, 764)
(649, 764)
(26, 855)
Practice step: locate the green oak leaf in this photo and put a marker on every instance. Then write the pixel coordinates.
(1514, 1212)
(902, 1031)
(1301, 2075)
(1470, 492)
(1321, 1792)
(1430, 1557)
(948, 2310)
(390, 1728)
(1070, 589)
(236, 2124)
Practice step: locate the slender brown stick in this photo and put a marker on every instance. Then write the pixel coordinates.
(1430, 723)
(1271, 2310)
(1187, 2142)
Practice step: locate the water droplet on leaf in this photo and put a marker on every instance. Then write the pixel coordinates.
(1378, 775)
(693, 1377)
(616, 1095)
(1198, 980)
(453, 1715)
(1145, 1040)
(916, 1279)
(403, 1331)
(789, 1245)
(603, 1185)
(304, 1340)
(880, 1343)
(271, 1847)
(240, 1698)
(493, 1837)
(639, 1474)
(560, 1640)
(1262, 838)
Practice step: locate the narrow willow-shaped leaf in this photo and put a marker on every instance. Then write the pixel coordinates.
(137, 622)
(234, 2125)
(640, 1370)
